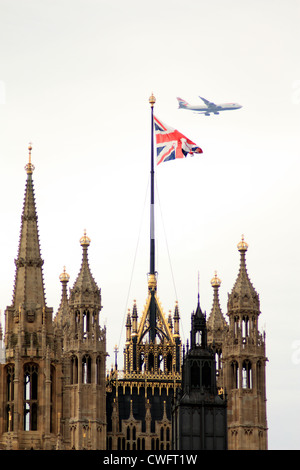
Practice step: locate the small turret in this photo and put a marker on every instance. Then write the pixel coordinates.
(62, 314)
(176, 318)
(128, 327)
(85, 291)
(198, 330)
(216, 321)
(134, 318)
(243, 295)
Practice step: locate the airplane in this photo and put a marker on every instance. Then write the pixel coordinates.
(209, 108)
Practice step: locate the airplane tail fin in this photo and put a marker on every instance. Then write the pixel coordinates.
(182, 103)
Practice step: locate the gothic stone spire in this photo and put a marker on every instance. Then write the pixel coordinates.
(85, 292)
(243, 296)
(63, 310)
(28, 318)
(29, 285)
(216, 320)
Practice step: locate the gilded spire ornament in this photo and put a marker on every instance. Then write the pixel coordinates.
(242, 245)
(152, 100)
(64, 276)
(215, 282)
(29, 167)
(85, 240)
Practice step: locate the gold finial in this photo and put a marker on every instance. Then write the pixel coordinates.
(152, 100)
(64, 277)
(242, 246)
(85, 240)
(29, 167)
(152, 282)
(215, 282)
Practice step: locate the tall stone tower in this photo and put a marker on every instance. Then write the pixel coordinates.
(243, 362)
(83, 420)
(31, 376)
(52, 378)
(139, 398)
(199, 411)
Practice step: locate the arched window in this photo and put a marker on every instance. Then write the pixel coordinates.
(52, 394)
(169, 363)
(30, 397)
(259, 380)
(235, 374)
(10, 375)
(198, 338)
(246, 374)
(218, 360)
(160, 362)
(86, 323)
(142, 362)
(86, 369)
(74, 370)
(245, 326)
(236, 325)
(195, 375)
(98, 370)
(94, 318)
(206, 375)
(151, 362)
(77, 321)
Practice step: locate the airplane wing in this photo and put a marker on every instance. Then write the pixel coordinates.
(208, 103)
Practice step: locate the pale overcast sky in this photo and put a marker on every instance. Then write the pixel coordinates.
(75, 79)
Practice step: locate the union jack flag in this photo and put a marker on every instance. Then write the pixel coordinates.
(171, 144)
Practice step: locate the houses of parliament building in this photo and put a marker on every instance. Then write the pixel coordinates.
(55, 393)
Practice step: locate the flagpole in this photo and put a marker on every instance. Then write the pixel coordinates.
(152, 231)
(152, 276)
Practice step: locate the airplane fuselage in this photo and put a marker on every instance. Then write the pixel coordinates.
(209, 108)
(220, 107)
